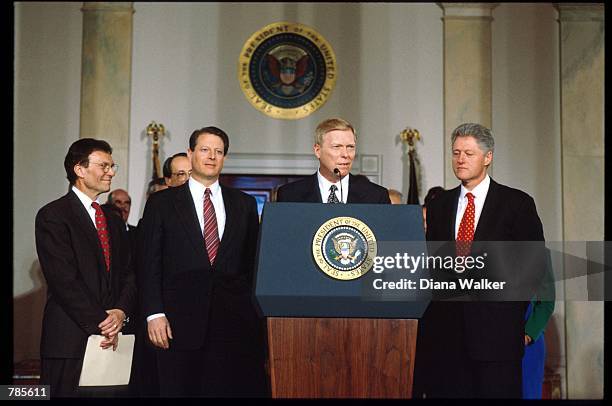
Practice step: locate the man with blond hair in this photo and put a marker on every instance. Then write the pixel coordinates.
(335, 146)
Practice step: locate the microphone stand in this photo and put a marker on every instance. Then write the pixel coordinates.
(337, 173)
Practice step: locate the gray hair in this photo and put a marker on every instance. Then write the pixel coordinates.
(483, 136)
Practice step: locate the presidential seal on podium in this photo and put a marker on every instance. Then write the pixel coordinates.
(344, 248)
(287, 70)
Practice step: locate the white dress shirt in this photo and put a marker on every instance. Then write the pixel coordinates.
(197, 194)
(480, 194)
(324, 186)
(87, 203)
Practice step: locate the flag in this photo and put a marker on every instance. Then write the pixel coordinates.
(413, 189)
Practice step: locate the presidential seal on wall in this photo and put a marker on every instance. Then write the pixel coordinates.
(287, 70)
(344, 248)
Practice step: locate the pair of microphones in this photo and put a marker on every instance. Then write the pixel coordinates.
(337, 173)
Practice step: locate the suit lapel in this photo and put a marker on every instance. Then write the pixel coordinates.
(355, 192)
(87, 226)
(452, 203)
(313, 190)
(186, 213)
(231, 217)
(488, 213)
(114, 234)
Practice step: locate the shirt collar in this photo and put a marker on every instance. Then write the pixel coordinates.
(479, 192)
(324, 184)
(197, 189)
(85, 200)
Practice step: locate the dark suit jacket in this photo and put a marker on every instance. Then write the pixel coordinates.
(493, 330)
(307, 190)
(176, 277)
(80, 290)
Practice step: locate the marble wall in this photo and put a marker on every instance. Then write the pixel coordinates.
(467, 72)
(582, 133)
(105, 81)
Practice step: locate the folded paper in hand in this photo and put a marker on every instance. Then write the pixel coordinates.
(107, 367)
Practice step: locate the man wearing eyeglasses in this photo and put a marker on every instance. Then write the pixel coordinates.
(84, 255)
(177, 169)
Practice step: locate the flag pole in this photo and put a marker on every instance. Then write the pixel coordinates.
(410, 136)
(156, 131)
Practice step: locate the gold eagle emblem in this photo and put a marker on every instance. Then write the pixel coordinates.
(345, 245)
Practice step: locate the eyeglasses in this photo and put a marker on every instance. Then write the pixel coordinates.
(181, 174)
(106, 166)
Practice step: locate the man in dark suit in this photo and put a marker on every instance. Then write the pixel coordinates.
(334, 145)
(84, 255)
(121, 201)
(197, 259)
(474, 348)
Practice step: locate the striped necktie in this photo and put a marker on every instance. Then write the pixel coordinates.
(211, 232)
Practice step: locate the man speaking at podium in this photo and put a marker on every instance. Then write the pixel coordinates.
(334, 145)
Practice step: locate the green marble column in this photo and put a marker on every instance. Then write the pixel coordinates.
(106, 78)
(581, 39)
(467, 71)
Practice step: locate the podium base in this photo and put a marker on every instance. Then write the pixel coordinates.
(341, 357)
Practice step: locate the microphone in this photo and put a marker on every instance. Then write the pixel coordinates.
(337, 173)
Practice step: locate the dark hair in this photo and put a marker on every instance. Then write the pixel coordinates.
(209, 130)
(167, 168)
(79, 152)
(157, 181)
(153, 183)
(432, 193)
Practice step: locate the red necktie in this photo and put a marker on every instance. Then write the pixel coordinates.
(465, 236)
(211, 232)
(103, 233)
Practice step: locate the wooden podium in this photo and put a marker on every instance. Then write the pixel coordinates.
(341, 358)
(330, 338)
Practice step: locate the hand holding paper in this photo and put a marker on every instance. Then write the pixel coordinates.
(112, 324)
(108, 342)
(107, 368)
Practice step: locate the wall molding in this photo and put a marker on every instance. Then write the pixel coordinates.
(369, 165)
